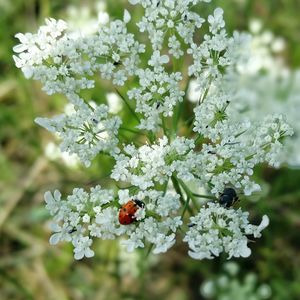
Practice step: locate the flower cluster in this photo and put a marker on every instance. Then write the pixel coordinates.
(84, 216)
(148, 165)
(157, 94)
(239, 145)
(252, 100)
(65, 63)
(282, 96)
(85, 132)
(73, 217)
(158, 222)
(232, 284)
(211, 149)
(216, 229)
(169, 20)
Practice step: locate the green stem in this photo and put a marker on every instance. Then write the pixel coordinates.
(150, 213)
(202, 98)
(151, 136)
(178, 191)
(187, 202)
(165, 187)
(205, 196)
(143, 265)
(199, 137)
(189, 193)
(128, 106)
(189, 120)
(131, 130)
(148, 251)
(166, 133)
(179, 110)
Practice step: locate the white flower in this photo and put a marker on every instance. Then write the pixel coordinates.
(127, 16)
(157, 94)
(61, 233)
(129, 262)
(82, 248)
(75, 221)
(163, 243)
(216, 21)
(217, 229)
(53, 201)
(114, 103)
(40, 56)
(103, 18)
(160, 17)
(214, 148)
(53, 153)
(159, 230)
(86, 132)
(157, 60)
(147, 165)
(255, 26)
(194, 91)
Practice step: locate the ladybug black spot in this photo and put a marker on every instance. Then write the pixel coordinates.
(139, 203)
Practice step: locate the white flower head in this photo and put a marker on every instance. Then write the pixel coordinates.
(165, 146)
(86, 132)
(217, 229)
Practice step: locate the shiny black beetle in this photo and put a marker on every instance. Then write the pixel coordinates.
(228, 197)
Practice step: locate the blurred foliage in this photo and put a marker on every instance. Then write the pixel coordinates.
(31, 269)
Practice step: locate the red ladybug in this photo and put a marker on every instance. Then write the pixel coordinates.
(128, 210)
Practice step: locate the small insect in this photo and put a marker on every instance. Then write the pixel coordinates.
(231, 143)
(72, 230)
(185, 17)
(117, 63)
(211, 152)
(128, 210)
(95, 121)
(228, 197)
